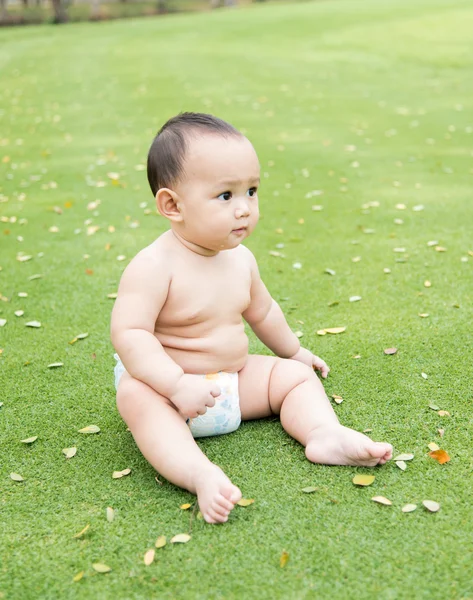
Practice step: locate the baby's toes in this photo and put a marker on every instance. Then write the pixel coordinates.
(219, 509)
(216, 517)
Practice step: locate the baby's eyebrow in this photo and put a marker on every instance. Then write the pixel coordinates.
(233, 182)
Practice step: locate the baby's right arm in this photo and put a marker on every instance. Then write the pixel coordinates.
(141, 295)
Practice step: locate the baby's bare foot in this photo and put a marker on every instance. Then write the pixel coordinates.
(338, 445)
(216, 494)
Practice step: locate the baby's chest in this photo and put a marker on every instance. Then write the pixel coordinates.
(206, 295)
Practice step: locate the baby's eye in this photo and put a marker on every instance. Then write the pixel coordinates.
(252, 192)
(225, 196)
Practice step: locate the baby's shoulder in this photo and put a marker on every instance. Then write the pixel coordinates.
(151, 260)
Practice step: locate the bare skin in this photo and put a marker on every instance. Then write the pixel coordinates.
(179, 314)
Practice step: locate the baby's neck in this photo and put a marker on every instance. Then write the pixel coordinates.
(194, 247)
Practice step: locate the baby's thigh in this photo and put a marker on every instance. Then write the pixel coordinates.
(253, 386)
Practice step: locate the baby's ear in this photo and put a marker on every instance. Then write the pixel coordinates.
(167, 203)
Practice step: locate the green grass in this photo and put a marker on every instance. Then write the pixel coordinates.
(305, 82)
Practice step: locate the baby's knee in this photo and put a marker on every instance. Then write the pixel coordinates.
(287, 375)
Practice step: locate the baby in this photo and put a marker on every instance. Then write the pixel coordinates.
(183, 368)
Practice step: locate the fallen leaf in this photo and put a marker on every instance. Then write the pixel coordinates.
(330, 272)
(423, 315)
(30, 440)
(149, 557)
(427, 284)
(3, 322)
(363, 480)
(390, 351)
(441, 432)
(110, 513)
(120, 474)
(82, 532)
(16, 477)
(354, 298)
(424, 376)
(337, 399)
(431, 505)
(433, 446)
(283, 559)
(299, 334)
(180, 538)
(161, 541)
(434, 406)
(19, 313)
(401, 464)
(407, 508)
(90, 429)
(245, 502)
(310, 489)
(55, 365)
(382, 500)
(440, 456)
(78, 577)
(101, 568)
(404, 457)
(321, 332)
(443, 413)
(69, 452)
(35, 324)
(335, 330)
(185, 506)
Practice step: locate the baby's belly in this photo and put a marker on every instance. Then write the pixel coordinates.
(226, 349)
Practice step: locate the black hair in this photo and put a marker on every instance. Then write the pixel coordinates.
(168, 150)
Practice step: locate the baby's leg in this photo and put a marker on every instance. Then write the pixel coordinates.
(167, 443)
(270, 385)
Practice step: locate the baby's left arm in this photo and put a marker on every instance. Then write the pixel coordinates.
(267, 320)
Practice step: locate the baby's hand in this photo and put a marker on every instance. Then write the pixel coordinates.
(193, 395)
(305, 356)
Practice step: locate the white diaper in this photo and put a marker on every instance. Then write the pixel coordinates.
(224, 417)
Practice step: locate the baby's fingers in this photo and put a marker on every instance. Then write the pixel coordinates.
(215, 391)
(321, 366)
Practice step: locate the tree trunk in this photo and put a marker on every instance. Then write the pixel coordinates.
(162, 7)
(3, 9)
(94, 9)
(25, 3)
(60, 15)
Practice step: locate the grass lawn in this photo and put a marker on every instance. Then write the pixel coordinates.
(364, 108)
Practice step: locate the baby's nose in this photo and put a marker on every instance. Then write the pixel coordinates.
(242, 209)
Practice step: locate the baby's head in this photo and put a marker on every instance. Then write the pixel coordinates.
(204, 175)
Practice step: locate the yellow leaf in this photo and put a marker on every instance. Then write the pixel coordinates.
(180, 538)
(101, 568)
(90, 429)
(78, 577)
(407, 508)
(443, 413)
(120, 474)
(390, 351)
(310, 489)
(433, 446)
(149, 557)
(427, 284)
(337, 399)
(81, 533)
(321, 332)
(245, 502)
(161, 541)
(335, 330)
(363, 480)
(440, 456)
(423, 315)
(16, 477)
(382, 500)
(110, 514)
(401, 464)
(404, 457)
(185, 506)
(431, 506)
(30, 440)
(35, 324)
(69, 452)
(55, 365)
(283, 559)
